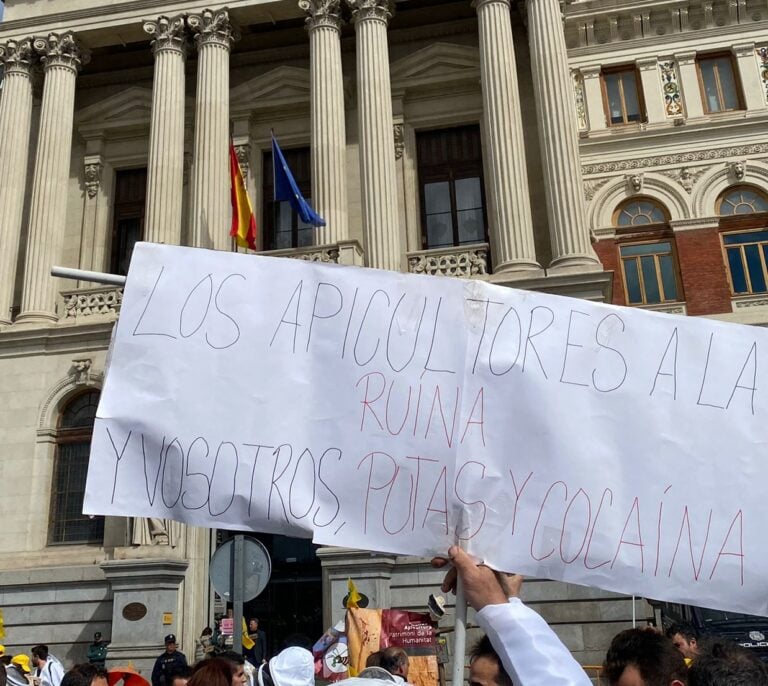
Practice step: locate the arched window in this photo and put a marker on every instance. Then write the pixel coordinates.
(744, 229)
(73, 445)
(640, 212)
(741, 200)
(647, 255)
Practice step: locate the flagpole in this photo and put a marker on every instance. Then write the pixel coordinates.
(459, 634)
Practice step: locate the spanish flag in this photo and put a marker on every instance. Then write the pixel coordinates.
(243, 222)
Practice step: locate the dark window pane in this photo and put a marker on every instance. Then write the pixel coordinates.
(439, 232)
(631, 102)
(613, 90)
(648, 265)
(709, 79)
(645, 249)
(727, 83)
(128, 216)
(737, 271)
(469, 195)
(471, 228)
(437, 197)
(81, 411)
(667, 267)
(634, 294)
(741, 238)
(755, 267)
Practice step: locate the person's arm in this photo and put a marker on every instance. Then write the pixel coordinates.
(530, 651)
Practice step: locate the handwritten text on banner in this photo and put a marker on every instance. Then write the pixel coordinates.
(552, 436)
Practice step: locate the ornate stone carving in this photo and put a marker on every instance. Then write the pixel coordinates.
(743, 303)
(92, 178)
(17, 55)
(680, 158)
(103, 300)
(461, 262)
(762, 57)
(243, 152)
(673, 101)
(168, 33)
(81, 370)
(737, 169)
(322, 13)
(578, 92)
(686, 176)
(635, 182)
(213, 27)
(61, 50)
(591, 186)
(330, 255)
(380, 10)
(399, 133)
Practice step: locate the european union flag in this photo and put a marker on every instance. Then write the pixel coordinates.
(286, 188)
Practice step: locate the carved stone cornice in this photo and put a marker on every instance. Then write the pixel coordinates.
(322, 14)
(374, 10)
(17, 56)
(243, 152)
(168, 33)
(213, 27)
(61, 50)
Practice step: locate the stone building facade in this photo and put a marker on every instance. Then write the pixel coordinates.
(610, 150)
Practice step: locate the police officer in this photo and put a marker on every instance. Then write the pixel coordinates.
(167, 663)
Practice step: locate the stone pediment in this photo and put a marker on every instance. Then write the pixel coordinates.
(128, 109)
(281, 87)
(438, 64)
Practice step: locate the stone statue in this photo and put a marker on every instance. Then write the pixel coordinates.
(154, 531)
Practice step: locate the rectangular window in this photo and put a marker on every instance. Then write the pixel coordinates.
(650, 273)
(719, 87)
(450, 165)
(128, 218)
(623, 100)
(747, 256)
(282, 226)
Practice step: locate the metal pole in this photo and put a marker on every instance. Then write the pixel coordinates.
(459, 635)
(84, 275)
(238, 591)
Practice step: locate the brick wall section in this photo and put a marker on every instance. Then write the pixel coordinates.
(703, 272)
(609, 256)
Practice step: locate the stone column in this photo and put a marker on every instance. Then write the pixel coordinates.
(165, 168)
(511, 225)
(62, 57)
(15, 121)
(329, 188)
(211, 209)
(569, 234)
(593, 94)
(651, 89)
(689, 82)
(377, 140)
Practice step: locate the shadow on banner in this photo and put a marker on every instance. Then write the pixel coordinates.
(369, 631)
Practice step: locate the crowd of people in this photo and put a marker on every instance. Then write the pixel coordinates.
(518, 649)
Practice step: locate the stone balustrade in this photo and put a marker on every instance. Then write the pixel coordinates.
(466, 261)
(86, 305)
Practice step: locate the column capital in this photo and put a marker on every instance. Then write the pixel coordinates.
(213, 27)
(477, 4)
(376, 10)
(17, 55)
(168, 33)
(322, 13)
(61, 50)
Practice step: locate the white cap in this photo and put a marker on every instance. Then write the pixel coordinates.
(294, 666)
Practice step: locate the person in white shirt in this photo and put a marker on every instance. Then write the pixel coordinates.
(47, 667)
(530, 652)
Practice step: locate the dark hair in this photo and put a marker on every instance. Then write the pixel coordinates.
(483, 648)
(232, 657)
(727, 664)
(178, 673)
(40, 651)
(684, 629)
(207, 631)
(298, 641)
(394, 660)
(83, 675)
(212, 672)
(374, 659)
(653, 654)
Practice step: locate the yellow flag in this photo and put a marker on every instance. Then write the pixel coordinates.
(248, 642)
(354, 597)
(2, 625)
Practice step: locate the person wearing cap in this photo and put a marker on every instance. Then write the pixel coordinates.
(293, 666)
(47, 667)
(167, 663)
(17, 671)
(97, 651)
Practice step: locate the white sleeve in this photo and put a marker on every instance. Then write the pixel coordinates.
(530, 651)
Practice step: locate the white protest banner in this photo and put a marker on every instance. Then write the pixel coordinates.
(552, 436)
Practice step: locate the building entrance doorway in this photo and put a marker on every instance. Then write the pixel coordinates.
(290, 610)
